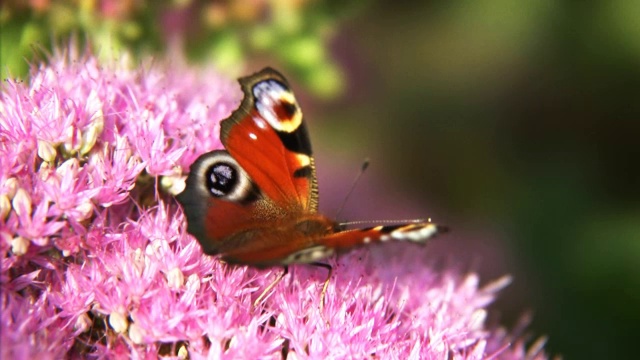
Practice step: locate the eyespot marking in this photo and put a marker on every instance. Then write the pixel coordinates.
(277, 104)
(219, 175)
(221, 179)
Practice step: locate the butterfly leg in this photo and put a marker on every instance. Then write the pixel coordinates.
(271, 286)
(326, 282)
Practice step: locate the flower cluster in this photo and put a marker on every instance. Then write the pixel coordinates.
(96, 261)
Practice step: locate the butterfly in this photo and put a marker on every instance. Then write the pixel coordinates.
(256, 202)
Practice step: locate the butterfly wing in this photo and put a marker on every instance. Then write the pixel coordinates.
(341, 241)
(266, 176)
(412, 232)
(268, 138)
(255, 203)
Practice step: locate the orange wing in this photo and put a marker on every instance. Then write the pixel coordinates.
(265, 176)
(269, 139)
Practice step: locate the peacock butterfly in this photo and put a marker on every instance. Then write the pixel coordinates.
(256, 202)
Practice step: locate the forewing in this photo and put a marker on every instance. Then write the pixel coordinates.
(269, 139)
(219, 200)
(412, 232)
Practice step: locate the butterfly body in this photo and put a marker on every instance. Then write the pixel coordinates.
(256, 202)
(278, 242)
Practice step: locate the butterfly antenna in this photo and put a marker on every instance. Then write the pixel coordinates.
(363, 168)
(393, 222)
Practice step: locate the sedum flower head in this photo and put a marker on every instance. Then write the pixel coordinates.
(96, 261)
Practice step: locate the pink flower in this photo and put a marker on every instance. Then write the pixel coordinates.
(96, 261)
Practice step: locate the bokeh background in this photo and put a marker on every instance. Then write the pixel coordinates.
(515, 123)
(518, 124)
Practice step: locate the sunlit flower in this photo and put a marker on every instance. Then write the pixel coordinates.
(96, 261)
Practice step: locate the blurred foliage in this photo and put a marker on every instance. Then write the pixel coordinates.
(294, 33)
(523, 118)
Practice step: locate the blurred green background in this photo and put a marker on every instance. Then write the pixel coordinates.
(514, 122)
(520, 123)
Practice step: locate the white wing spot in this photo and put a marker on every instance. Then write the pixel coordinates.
(308, 255)
(416, 233)
(259, 122)
(317, 254)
